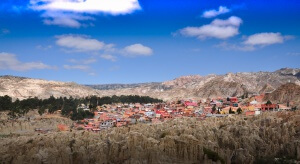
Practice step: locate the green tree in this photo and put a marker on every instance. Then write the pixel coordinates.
(230, 111)
(5, 103)
(239, 110)
(214, 109)
(268, 102)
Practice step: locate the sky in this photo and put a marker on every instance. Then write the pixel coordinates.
(133, 41)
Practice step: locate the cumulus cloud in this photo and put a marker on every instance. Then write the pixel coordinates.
(73, 20)
(70, 13)
(78, 67)
(79, 43)
(137, 50)
(83, 61)
(10, 62)
(220, 29)
(264, 39)
(256, 41)
(213, 13)
(108, 57)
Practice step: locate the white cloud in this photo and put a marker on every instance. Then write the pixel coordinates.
(238, 47)
(137, 50)
(10, 62)
(83, 61)
(293, 54)
(256, 41)
(213, 13)
(40, 47)
(220, 29)
(79, 67)
(108, 57)
(69, 13)
(92, 74)
(65, 19)
(264, 39)
(79, 43)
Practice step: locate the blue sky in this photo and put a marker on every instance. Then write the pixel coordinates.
(131, 41)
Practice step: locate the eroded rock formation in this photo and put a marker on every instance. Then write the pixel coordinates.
(233, 139)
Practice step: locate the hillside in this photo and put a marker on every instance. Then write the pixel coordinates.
(194, 86)
(22, 88)
(289, 92)
(230, 84)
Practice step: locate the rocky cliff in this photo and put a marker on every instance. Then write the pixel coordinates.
(269, 138)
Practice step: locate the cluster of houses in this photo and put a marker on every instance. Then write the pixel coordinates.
(117, 115)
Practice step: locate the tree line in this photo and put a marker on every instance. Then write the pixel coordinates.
(68, 106)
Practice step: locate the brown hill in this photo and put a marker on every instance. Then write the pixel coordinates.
(289, 92)
(230, 84)
(194, 86)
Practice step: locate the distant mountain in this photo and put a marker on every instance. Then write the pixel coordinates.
(21, 88)
(193, 86)
(196, 86)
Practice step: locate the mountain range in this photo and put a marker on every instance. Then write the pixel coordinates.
(192, 86)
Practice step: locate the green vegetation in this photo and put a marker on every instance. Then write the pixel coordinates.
(268, 102)
(68, 106)
(163, 135)
(230, 111)
(214, 109)
(239, 110)
(213, 155)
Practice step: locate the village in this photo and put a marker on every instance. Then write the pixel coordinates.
(117, 115)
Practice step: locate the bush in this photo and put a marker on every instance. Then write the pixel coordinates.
(163, 135)
(214, 156)
(239, 110)
(80, 128)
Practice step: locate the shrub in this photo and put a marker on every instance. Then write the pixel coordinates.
(214, 156)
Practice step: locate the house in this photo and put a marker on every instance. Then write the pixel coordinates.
(268, 107)
(107, 124)
(227, 109)
(83, 107)
(207, 110)
(189, 104)
(121, 123)
(165, 116)
(282, 107)
(149, 114)
(233, 99)
(250, 113)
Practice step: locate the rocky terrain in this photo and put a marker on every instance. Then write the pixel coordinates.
(194, 86)
(22, 88)
(210, 86)
(289, 92)
(273, 137)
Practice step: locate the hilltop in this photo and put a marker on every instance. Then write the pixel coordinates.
(193, 86)
(210, 86)
(22, 88)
